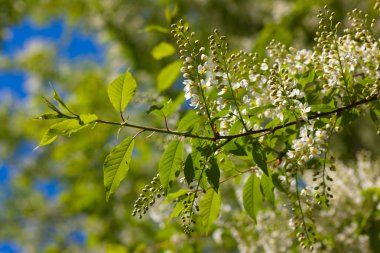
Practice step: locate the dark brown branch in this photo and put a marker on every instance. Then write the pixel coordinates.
(317, 115)
(250, 132)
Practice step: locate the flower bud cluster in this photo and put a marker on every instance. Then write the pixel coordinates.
(194, 64)
(322, 178)
(148, 197)
(301, 209)
(189, 207)
(286, 93)
(355, 54)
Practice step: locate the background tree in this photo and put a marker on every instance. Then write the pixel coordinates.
(130, 31)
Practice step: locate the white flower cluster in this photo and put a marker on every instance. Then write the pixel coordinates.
(355, 54)
(310, 144)
(338, 225)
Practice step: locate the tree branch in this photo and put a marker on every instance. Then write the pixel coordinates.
(250, 132)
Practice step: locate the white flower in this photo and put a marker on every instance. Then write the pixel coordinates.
(304, 109)
(264, 66)
(253, 78)
(222, 90)
(244, 83)
(201, 69)
(314, 152)
(194, 101)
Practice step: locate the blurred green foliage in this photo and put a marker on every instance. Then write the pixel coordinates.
(130, 30)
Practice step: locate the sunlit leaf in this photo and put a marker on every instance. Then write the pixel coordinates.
(51, 106)
(189, 120)
(172, 105)
(57, 98)
(170, 163)
(323, 107)
(267, 188)
(65, 127)
(121, 90)
(172, 196)
(162, 50)
(307, 79)
(168, 75)
(252, 196)
(47, 138)
(177, 210)
(48, 116)
(209, 208)
(88, 118)
(116, 165)
(156, 28)
(166, 108)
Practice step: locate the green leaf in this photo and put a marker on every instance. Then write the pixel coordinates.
(209, 208)
(221, 114)
(121, 91)
(173, 196)
(213, 174)
(48, 116)
(156, 28)
(322, 107)
(87, 118)
(170, 163)
(178, 209)
(171, 105)
(307, 79)
(252, 197)
(154, 108)
(259, 156)
(51, 106)
(235, 148)
(166, 108)
(189, 120)
(254, 112)
(57, 98)
(201, 178)
(373, 115)
(236, 128)
(189, 169)
(267, 188)
(47, 138)
(277, 182)
(116, 165)
(162, 50)
(65, 127)
(168, 75)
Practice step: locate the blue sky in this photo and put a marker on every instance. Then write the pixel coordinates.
(79, 44)
(72, 44)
